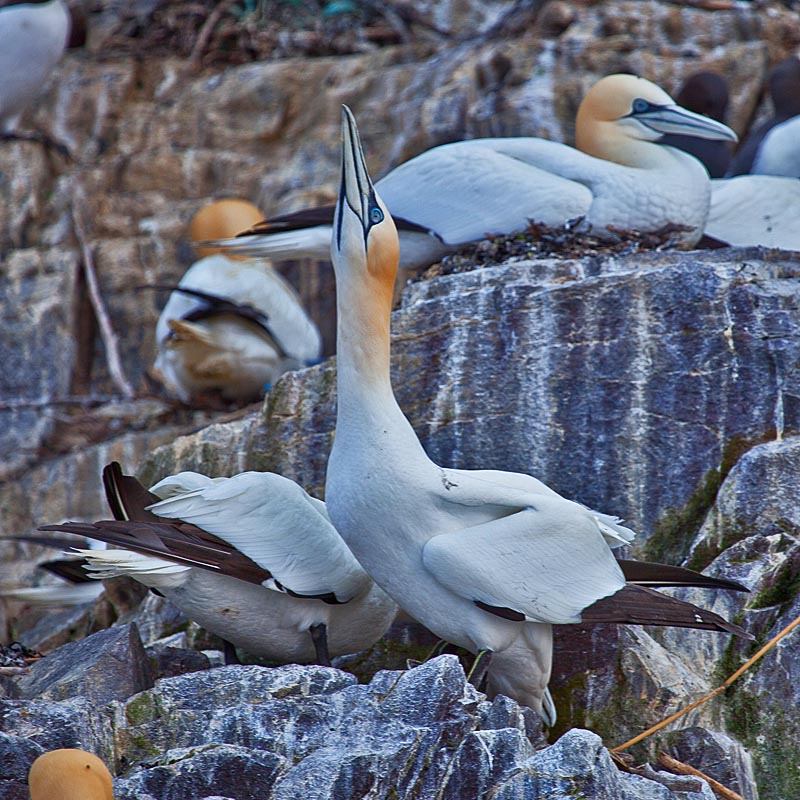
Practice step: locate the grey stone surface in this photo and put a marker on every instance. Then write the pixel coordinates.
(109, 665)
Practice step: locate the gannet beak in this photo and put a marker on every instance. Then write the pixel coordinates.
(356, 191)
(676, 119)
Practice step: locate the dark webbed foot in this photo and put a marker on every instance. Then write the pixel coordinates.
(319, 635)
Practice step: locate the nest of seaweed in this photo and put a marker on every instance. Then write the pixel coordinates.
(542, 241)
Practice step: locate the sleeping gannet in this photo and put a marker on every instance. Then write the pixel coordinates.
(773, 148)
(233, 325)
(69, 775)
(704, 93)
(252, 558)
(474, 555)
(620, 175)
(33, 37)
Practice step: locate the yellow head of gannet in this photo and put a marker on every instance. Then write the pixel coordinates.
(620, 111)
(69, 775)
(220, 220)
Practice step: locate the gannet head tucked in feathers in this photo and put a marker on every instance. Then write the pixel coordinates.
(69, 775)
(621, 111)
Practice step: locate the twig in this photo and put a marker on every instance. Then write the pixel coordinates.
(684, 769)
(714, 692)
(103, 320)
(205, 32)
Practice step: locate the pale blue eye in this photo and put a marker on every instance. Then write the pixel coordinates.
(375, 216)
(639, 105)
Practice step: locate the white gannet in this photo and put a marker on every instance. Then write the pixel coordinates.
(69, 775)
(773, 147)
(474, 555)
(252, 558)
(620, 175)
(233, 325)
(33, 37)
(704, 93)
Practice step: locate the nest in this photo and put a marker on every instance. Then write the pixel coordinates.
(240, 31)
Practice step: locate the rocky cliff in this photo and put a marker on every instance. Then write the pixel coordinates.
(662, 387)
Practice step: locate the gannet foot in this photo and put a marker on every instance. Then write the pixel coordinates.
(480, 667)
(229, 653)
(319, 635)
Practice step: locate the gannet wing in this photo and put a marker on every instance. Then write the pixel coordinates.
(279, 526)
(545, 563)
(756, 210)
(466, 190)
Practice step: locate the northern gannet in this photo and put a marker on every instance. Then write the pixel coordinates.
(704, 93)
(75, 589)
(33, 37)
(252, 558)
(474, 555)
(620, 175)
(69, 775)
(233, 325)
(773, 148)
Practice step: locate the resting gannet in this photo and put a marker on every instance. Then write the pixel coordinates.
(620, 175)
(33, 37)
(773, 148)
(233, 325)
(252, 558)
(70, 775)
(474, 555)
(705, 93)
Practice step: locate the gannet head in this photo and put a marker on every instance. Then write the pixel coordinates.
(221, 219)
(69, 775)
(364, 235)
(621, 109)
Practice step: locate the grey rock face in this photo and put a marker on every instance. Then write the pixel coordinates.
(109, 665)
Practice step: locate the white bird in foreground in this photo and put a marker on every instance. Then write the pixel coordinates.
(474, 555)
(252, 558)
(33, 37)
(75, 589)
(232, 325)
(460, 192)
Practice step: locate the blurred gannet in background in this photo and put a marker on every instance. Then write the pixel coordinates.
(773, 148)
(252, 558)
(33, 37)
(234, 325)
(460, 192)
(704, 93)
(474, 555)
(69, 775)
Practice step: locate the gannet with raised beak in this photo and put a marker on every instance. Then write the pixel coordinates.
(620, 175)
(474, 555)
(233, 324)
(252, 558)
(69, 775)
(33, 37)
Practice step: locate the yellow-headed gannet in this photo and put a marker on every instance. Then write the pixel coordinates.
(252, 558)
(773, 148)
(33, 37)
(704, 93)
(474, 555)
(69, 775)
(460, 192)
(233, 325)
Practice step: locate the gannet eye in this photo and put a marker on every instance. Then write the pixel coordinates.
(640, 106)
(375, 215)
